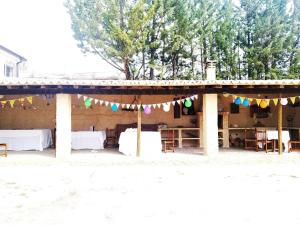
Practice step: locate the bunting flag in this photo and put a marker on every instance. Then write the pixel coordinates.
(132, 106)
(275, 100)
(12, 102)
(258, 101)
(293, 99)
(283, 101)
(29, 99)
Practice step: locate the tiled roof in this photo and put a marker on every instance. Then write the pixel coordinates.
(142, 83)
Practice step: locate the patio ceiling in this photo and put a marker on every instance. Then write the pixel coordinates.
(145, 87)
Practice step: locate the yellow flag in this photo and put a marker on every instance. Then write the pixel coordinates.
(293, 99)
(3, 103)
(250, 99)
(29, 99)
(12, 102)
(242, 99)
(275, 100)
(267, 101)
(21, 99)
(258, 101)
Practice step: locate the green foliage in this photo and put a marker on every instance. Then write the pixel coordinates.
(173, 39)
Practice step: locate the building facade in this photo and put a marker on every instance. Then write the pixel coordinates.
(11, 63)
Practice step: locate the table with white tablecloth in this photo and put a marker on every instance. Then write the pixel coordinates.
(88, 139)
(18, 140)
(150, 143)
(273, 135)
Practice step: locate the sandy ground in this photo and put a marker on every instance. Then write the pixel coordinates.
(236, 187)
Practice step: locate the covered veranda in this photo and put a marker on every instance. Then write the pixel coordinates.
(212, 101)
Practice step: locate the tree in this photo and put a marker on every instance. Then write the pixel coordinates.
(173, 39)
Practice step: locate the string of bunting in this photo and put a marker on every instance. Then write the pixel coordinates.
(147, 108)
(262, 102)
(13, 101)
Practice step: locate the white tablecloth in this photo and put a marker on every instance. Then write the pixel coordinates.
(88, 139)
(19, 140)
(273, 135)
(150, 143)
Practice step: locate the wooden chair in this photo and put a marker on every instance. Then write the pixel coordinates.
(2, 145)
(294, 146)
(169, 143)
(111, 138)
(256, 139)
(262, 140)
(250, 139)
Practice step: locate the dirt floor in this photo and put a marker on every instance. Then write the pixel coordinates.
(104, 187)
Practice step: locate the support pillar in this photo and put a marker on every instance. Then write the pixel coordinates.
(210, 116)
(279, 128)
(210, 124)
(139, 129)
(63, 125)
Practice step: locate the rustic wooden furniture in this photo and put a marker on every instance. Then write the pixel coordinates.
(111, 138)
(2, 145)
(262, 140)
(250, 139)
(294, 146)
(256, 138)
(169, 142)
(182, 134)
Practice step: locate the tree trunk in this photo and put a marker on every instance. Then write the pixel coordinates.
(126, 69)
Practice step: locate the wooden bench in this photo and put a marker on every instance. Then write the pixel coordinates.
(2, 145)
(294, 146)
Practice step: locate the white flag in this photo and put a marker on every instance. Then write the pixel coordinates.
(193, 97)
(85, 98)
(106, 103)
(127, 106)
(178, 101)
(79, 96)
(123, 105)
(158, 105)
(96, 101)
(196, 96)
(154, 106)
(173, 102)
(101, 102)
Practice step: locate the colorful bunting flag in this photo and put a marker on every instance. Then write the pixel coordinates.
(29, 99)
(275, 100)
(12, 102)
(293, 99)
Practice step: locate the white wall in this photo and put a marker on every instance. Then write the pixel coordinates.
(10, 60)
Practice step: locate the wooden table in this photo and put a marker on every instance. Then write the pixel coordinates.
(180, 134)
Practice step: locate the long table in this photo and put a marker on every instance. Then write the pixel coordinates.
(88, 139)
(18, 140)
(150, 143)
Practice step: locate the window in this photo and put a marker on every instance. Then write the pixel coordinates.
(8, 71)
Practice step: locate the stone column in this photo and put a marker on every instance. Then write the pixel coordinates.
(63, 125)
(210, 116)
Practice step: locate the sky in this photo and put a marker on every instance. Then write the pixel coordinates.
(40, 31)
